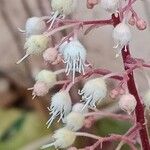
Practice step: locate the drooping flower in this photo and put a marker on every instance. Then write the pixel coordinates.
(35, 26)
(60, 106)
(93, 91)
(61, 8)
(78, 107)
(110, 5)
(35, 44)
(74, 55)
(122, 36)
(63, 138)
(74, 121)
(127, 103)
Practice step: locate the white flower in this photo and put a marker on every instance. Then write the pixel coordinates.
(78, 107)
(63, 138)
(60, 106)
(34, 26)
(35, 44)
(93, 91)
(146, 99)
(65, 7)
(110, 5)
(74, 55)
(127, 103)
(47, 77)
(74, 121)
(122, 36)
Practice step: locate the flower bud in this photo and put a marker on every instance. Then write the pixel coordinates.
(63, 138)
(74, 121)
(93, 91)
(78, 107)
(50, 55)
(127, 103)
(141, 24)
(110, 5)
(35, 44)
(47, 77)
(91, 3)
(132, 21)
(35, 26)
(40, 89)
(146, 99)
(60, 106)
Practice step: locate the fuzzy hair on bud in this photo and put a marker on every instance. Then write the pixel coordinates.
(74, 55)
(127, 103)
(60, 106)
(110, 5)
(122, 36)
(35, 44)
(93, 91)
(78, 107)
(63, 138)
(47, 77)
(64, 7)
(146, 99)
(35, 26)
(74, 121)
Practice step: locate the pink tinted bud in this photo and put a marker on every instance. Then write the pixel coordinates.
(91, 3)
(122, 91)
(57, 61)
(40, 89)
(50, 55)
(141, 24)
(127, 103)
(114, 93)
(132, 21)
(88, 122)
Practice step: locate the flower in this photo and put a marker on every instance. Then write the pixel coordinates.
(60, 105)
(127, 103)
(47, 77)
(110, 5)
(74, 55)
(63, 138)
(146, 99)
(35, 26)
(35, 44)
(122, 36)
(74, 121)
(78, 107)
(93, 91)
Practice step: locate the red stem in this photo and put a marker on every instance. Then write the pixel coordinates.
(139, 111)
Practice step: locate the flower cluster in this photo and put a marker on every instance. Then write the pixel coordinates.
(72, 54)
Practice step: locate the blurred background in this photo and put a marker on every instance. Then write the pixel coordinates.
(22, 120)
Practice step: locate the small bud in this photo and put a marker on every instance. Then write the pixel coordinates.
(35, 44)
(63, 138)
(50, 55)
(122, 36)
(132, 21)
(74, 121)
(93, 91)
(78, 107)
(110, 5)
(40, 89)
(127, 103)
(91, 3)
(114, 93)
(146, 99)
(60, 106)
(35, 26)
(47, 77)
(141, 24)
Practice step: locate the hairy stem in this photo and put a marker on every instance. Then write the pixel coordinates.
(139, 111)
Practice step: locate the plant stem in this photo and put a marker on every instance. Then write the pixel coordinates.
(139, 111)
